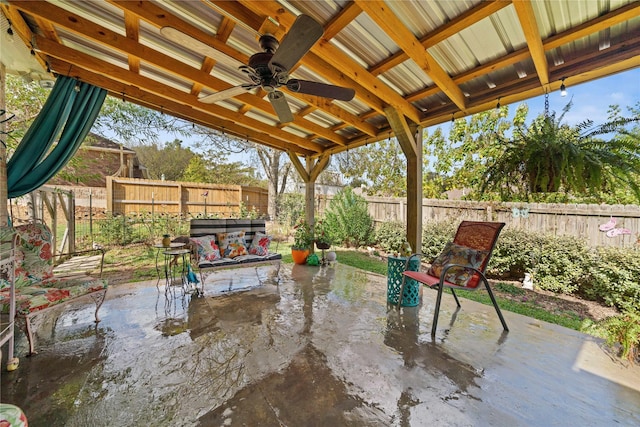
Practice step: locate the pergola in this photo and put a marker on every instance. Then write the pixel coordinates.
(412, 64)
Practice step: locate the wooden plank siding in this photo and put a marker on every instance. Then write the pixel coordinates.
(127, 196)
(581, 220)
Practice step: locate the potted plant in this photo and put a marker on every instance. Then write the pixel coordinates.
(322, 237)
(302, 241)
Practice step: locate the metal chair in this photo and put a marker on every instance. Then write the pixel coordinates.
(461, 265)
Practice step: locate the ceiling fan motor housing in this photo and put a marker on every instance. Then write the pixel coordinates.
(265, 76)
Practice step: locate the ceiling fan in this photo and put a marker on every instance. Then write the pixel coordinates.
(270, 69)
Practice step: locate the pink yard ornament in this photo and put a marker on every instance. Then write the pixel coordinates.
(609, 225)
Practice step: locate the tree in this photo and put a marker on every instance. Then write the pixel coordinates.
(277, 171)
(549, 156)
(171, 160)
(459, 161)
(381, 167)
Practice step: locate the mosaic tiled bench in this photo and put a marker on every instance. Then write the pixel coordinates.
(39, 286)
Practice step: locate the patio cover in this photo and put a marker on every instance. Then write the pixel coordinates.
(412, 63)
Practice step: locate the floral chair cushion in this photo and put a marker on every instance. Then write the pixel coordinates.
(260, 244)
(456, 254)
(207, 248)
(49, 293)
(232, 244)
(34, 259)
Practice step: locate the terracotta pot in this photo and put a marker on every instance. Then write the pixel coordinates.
(299, 255)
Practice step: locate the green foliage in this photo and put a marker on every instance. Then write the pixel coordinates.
(381, 167)
(116, 229)
(457, 162)
(302, 235)
(624, 329)
(435, 235)
(170, 160)
(390, 235)
(561, 263)
(322, 232)
(142, 227)
(23, 102)
(348, 219)
(290, 207)
(614, 278)
(549, 156)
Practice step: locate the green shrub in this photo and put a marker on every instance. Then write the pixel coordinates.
(390, 236)
(348, 219)
(115, 229)
(514, 253)
(560, 263)
(624, 330)
(436, 234)
(614, 278)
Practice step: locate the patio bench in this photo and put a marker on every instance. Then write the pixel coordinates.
(230, 243)
(40, 285)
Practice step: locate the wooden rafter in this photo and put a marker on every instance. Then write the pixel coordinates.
(88, 38)
(390, 24)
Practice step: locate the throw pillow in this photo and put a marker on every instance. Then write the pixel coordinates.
(260, 244)
(456, 254)
(207, 249)
(232, 244)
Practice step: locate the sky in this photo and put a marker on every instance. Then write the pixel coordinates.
(591, 100)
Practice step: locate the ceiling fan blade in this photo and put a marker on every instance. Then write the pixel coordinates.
(304, 33)
(225, 94)
(183, 39)
(280, 106)
(321, 89)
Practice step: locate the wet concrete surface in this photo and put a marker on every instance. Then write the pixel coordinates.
(320, 349)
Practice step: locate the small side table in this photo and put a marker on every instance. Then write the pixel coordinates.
(411, 294)
(172, 268)
(160, 248)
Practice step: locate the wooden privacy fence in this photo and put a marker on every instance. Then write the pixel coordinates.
(580, 220)
(133, 195)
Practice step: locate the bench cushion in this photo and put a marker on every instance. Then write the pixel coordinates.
(49, 292)
(34, 258)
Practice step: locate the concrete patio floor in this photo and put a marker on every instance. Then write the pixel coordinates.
(320, 349)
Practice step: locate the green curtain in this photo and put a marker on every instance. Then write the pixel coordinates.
(34, 162)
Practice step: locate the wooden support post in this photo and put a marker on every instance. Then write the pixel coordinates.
(410, 139)
(309, 174)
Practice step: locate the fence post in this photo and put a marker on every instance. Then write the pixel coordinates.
(91, 214)
(153, 224)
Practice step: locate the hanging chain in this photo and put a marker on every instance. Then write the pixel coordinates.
(546, 104)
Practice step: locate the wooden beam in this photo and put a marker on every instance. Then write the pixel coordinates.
(457, 24)
(150, 13)
(132, 27)
(134, 49)
(321, 164)
(529, 25)
(406, 40)
(330, 54)
(302, 170)
(402, 131)
(343, 18)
